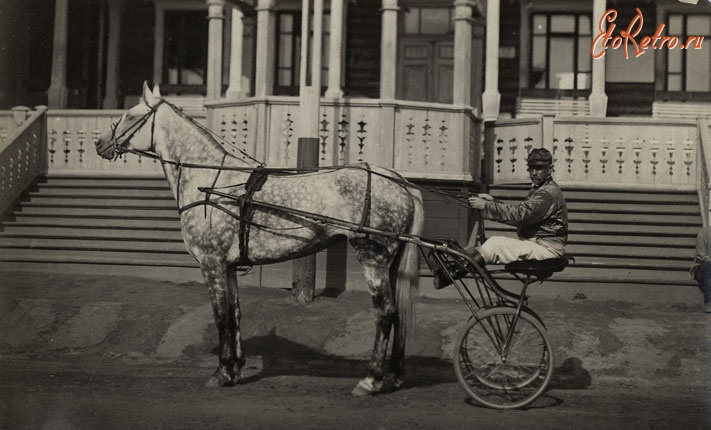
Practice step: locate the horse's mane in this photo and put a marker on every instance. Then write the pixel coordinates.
(205, 132)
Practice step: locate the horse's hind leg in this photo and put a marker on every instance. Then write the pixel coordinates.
(376, 273)
(222, 286)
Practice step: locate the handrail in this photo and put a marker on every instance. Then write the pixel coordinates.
(23, 158)
(704, 164)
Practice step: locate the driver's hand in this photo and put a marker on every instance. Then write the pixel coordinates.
(486, 197)
(477, 202)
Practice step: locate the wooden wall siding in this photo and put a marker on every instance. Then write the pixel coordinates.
(71, 136)
(416, 139)
(362, 67)
(605, 151)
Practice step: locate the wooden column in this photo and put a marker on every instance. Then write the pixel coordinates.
(113, 53)
(304, 271)
(57, 92)
(216, 17)
(388, 49)
(491, 99)
(234, 90)
(335, 53)
(463, 47)
(264, 69)
(598, 97)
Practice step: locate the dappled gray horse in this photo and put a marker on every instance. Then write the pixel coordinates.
(220, 235)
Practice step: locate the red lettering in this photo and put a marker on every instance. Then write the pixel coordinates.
(630, 34)
(605, 34)
(656, 36)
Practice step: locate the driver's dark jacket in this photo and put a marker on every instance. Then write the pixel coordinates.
(543, 215)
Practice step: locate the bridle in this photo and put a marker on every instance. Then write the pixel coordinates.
(133, 129)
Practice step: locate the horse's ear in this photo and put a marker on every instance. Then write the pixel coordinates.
(147, 94)
(156, 91)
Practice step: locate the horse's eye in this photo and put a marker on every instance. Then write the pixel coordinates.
(129, 116)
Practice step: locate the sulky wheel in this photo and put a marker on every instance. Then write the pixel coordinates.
(503, 377)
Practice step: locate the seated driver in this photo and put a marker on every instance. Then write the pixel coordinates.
(541, 222)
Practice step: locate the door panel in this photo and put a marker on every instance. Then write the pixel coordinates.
(426, 70)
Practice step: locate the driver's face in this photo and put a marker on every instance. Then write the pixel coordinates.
(539, 174)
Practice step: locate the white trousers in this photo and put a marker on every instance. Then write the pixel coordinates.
(504, 250)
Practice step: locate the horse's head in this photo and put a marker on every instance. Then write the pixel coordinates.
(134, 130)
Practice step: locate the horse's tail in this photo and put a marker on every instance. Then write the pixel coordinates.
(408, 269)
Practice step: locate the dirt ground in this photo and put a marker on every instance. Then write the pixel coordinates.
(90, 352)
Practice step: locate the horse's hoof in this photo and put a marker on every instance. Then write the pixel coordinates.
(217, 381)
(367, 387)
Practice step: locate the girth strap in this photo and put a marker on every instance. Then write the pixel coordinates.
(254, 183)
(366, 202)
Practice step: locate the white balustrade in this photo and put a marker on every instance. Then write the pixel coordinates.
(600, 151)
(417, 139)
(22, 157)
(71, 138)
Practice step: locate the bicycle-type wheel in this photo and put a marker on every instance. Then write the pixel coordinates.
(499, 368)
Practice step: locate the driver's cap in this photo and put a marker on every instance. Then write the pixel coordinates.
(539, 157)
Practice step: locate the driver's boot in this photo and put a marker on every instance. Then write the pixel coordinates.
(441, 279)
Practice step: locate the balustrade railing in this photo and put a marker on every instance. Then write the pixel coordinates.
(704, 162)
(71, 135)
(599, 152)
(420, 140)
(22, 155)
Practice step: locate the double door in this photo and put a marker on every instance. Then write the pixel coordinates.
(425, 70)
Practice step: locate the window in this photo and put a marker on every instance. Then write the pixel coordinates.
(185, 52)
(428, 21)
(688, 69)
(568, 36)
(288, 62)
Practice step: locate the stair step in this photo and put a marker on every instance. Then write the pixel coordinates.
(619, 239)
(93, 257)
(93, 245)
(104, 182)
(146, 211)
(112, 212)
(591, 278)
(100, 193)
(630, 250)
(620, 218)
(629, 208)
(605, 196)
(14, 231)
(109, 223)
(73, 201)
(574, 227)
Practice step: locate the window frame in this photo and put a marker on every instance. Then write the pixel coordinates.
(295, 67)
(549, 35)
(683, 37)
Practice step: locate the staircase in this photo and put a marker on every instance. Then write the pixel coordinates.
(623, 237)
(98, 225)
(106, 225)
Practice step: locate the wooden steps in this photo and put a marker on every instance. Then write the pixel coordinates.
(617, 237)
(96, 221)
(623, 237)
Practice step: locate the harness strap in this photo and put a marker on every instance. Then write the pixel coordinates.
(254, 183)
(367, 201)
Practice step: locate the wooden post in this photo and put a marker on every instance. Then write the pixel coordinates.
(304, 272)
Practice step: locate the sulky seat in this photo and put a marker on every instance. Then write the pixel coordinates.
(540, 269)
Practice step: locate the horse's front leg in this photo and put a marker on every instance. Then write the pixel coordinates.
(385, 315)
(222, 286)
